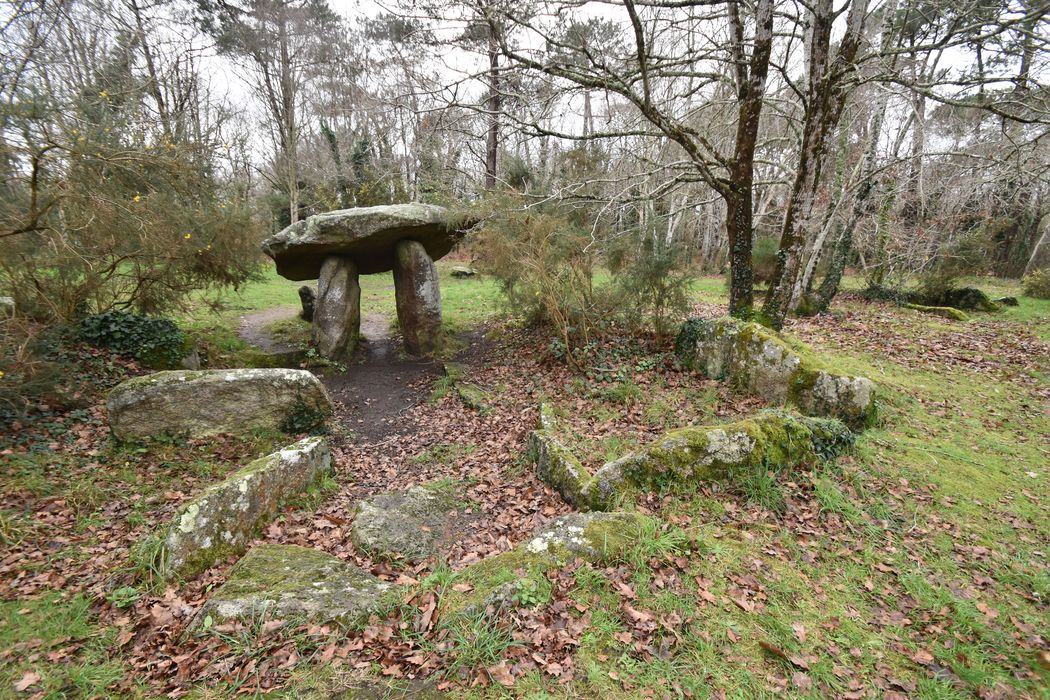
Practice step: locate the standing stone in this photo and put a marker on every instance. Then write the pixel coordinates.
(418, 298)
(337, 311)
(308, 298)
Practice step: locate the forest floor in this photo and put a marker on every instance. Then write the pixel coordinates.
(914, 567)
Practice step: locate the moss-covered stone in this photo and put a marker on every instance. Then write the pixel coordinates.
(773, 438)
(283, 581)
(209, 402)
(755, 359)
(557, 467)
(596, 537)
(411, 524)
(224, 519)
(470, 393)
(942, 311)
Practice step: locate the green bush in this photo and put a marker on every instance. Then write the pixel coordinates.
(545, 267)
(1037, 284)
(156, 342)
(29, 372)
(652, 287)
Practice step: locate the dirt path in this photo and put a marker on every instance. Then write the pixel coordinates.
(381, 385)
(252, 328)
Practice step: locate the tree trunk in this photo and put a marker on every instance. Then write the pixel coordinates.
(739, 194)
(826, 96)
(492, 142)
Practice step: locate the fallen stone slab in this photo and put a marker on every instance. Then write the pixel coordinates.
(463, 272)
(367, 235)
(282, 581)
(499, 581)
(208, 402)
(942, 311)
(224, 519)
(773, 438)
(1007, 301)
(470, 393)
(413, 524)
(556, 465)
(759, 361)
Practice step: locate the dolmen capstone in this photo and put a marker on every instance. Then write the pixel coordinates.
(337, 246)
(209, 402)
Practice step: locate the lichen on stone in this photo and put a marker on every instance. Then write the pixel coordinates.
(222, 520)
(410, 524)
(282, 581)
(686, 456)
(757, 360)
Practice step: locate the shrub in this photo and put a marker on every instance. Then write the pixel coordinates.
(156, 342)
(1037, 284)
(29, 374)
(653, 287)
(545, 267)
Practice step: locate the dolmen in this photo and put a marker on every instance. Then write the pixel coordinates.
(337, 246)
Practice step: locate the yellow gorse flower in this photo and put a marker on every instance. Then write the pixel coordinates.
(188, 236)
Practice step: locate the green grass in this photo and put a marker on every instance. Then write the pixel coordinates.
(63, 626)
(465, 303)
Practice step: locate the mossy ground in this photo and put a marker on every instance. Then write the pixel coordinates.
(916, 565)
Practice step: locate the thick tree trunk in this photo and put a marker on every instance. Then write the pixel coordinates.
(825, 99)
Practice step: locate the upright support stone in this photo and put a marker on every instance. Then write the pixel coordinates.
(418, 298)
(337, 310)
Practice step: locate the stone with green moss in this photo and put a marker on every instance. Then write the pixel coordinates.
(209, 402)
(771, 439)
(470, 393)
(759, 361)
(412, 524)
(224, 519)
(497, 581)
(592, 536)
(942, 311)
(774, 438)
(557, 466)
(284, 581)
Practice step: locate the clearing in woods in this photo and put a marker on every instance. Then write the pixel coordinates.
(914, 566)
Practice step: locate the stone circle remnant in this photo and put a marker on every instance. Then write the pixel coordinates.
(337, 246)
(213, 401)
(285, 580)
(223, 519)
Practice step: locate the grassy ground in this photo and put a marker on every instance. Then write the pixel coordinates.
(465, 304)
(914, 567)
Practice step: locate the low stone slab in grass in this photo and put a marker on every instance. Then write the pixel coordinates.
(501, 580)
(472, 395)
(556, 465)
(284, 581)
(771, 439)
(209, 402)
(225, 518)
(942, 311)
(757, 360)
(411, 524)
